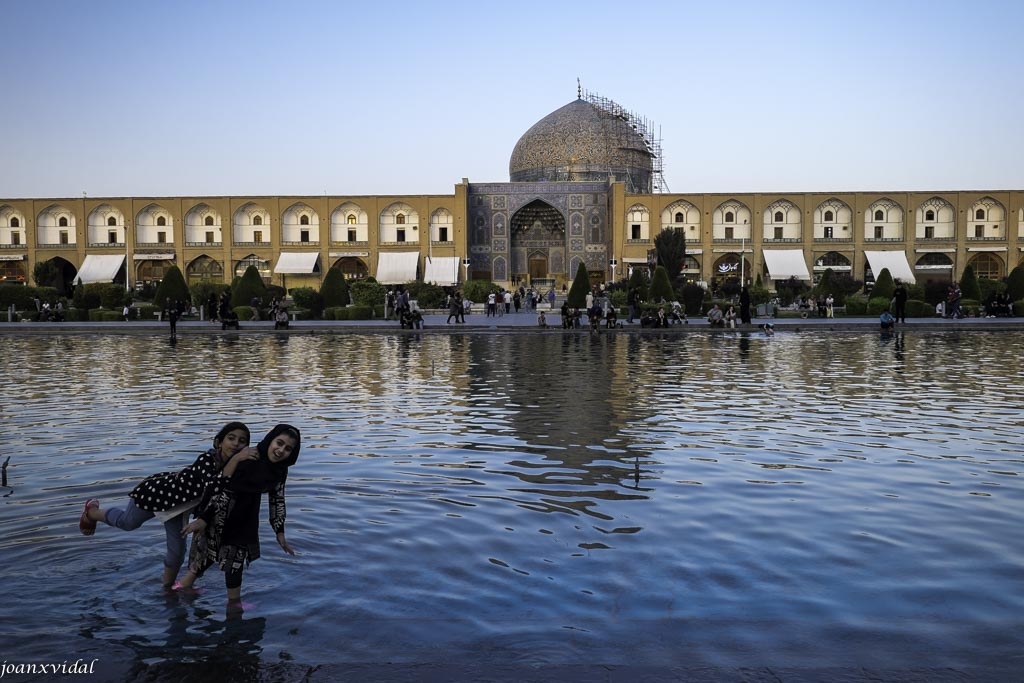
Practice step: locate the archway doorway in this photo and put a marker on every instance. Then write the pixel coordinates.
(538, 266)
(538, 244)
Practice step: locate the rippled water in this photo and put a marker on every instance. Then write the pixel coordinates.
(840, 499)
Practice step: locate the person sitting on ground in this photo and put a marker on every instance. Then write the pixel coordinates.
(611, 319)
(678, 315)
(594, 315)
(566, 315)
(281, 318)
(887, 321)
(542, 320)
(715, 317)
(662, 320)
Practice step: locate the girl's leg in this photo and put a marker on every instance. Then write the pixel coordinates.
(175, 549)
(127, 519)
(233, 582)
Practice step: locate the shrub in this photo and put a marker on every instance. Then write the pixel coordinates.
(877, 304)
(360, 312)
(250, 286)
(1018, 307)
(77, 315)
(857, 304)
(309, 300)
(88, 296)
(580, 287)
(661, 287)
(1015, 284)
(919, 309)
(172, 288)
(336, 313)
(367, 292)
(477, 290)
(427, 295)
(969, 284)
(693, 297)
(147, 311)
(334, 289)
(971, 307)
(638, 282)
(884, 286)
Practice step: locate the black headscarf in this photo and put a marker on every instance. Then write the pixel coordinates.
(262, 475)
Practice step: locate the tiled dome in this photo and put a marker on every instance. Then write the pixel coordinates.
(582, 142)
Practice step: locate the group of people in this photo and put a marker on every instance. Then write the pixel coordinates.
(222, 490)
(46, 313)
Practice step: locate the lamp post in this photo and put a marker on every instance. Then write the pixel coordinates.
(743, 254)
(613, 263)
(127, 262)
(465, 265)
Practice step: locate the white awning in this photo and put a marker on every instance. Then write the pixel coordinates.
(300, 262)
(397, 268)
(986, 248)
(786, 263)
(102, 268)
(895, 261)
(441, 270)
(627, 259)
(12, 257)
(154, 257)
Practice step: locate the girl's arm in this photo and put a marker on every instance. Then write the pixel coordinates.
(277, 516)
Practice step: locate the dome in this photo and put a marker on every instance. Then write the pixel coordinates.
(581, 142)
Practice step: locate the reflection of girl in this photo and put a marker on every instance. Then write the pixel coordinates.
(169, 495)
(228, 518)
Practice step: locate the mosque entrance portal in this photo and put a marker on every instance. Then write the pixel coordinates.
(538, 242)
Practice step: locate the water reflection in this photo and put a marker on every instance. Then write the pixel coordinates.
(536, 496)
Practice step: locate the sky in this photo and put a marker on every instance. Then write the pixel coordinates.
(169, 98)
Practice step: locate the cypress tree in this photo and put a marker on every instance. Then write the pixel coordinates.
(251, 285)
(661, 288)
(580, 287)
(334, 289)
(969, 287)
(1015, 284)
(172, 288)
(884, 285)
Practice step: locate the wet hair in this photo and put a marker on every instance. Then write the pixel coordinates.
(228, 428)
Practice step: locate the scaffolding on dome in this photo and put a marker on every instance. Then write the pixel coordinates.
(641, 125)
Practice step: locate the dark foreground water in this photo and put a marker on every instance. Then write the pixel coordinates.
(528, 499)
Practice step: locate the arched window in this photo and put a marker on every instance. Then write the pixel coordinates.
(303, 219)
(779, 217)
(161, 221)
(879, 215)
(111, 220)
(979, 214)
(208, 220)
(400, 219)
(63, 222)
(351, 219)
(730, 217)
(15, 223)
(257, 220)
(929, 215)
(679, 217)
(829, 216)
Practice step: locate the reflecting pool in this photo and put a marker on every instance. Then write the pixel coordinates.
(527, 498)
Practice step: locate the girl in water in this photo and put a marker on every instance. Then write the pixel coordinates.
(170, 495)
(227, 520)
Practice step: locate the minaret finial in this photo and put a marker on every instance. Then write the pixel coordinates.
(579, 89)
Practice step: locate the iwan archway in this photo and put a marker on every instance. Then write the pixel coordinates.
(538, 244)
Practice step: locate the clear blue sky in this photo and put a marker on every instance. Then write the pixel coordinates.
(141, 98)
